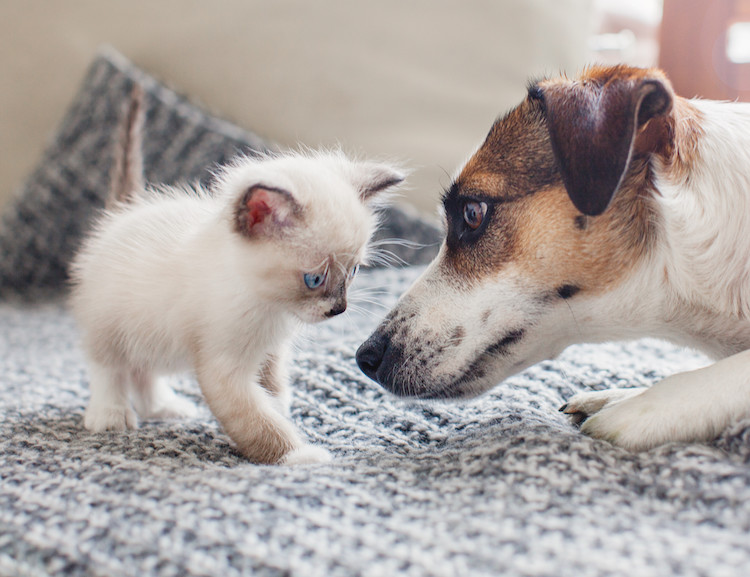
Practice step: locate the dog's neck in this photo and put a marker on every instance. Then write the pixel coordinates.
(700, 268)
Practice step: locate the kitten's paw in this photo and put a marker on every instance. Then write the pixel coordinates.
(306, 455)
(175, 408)
(583, 405)
(98, 419)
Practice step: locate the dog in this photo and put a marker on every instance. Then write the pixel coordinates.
(603, 207)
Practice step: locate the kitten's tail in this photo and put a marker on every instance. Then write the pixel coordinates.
(126, 178)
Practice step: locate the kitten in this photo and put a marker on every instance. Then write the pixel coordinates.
(216, 281)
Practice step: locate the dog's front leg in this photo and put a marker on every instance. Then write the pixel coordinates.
(687, 407)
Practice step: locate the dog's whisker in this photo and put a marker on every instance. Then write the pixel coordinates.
(575, 320)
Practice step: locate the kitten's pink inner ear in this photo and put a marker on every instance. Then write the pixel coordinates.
(264, 210)
(257, 208)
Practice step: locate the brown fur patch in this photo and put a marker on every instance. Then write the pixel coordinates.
(597, 122)
(685, 132)
(268, 377)
(515, 160)
(553, 251)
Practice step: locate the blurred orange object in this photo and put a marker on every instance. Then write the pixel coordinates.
(705, 47)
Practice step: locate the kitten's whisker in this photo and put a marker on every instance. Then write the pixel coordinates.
(386, 257)
(400, 242)
(378, 304)
(358, 296)
(370, 292)
(362, 311)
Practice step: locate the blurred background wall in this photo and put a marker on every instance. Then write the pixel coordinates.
(419, 81)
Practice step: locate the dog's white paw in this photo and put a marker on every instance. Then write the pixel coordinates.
(112, 418)
(583, 405)
(633, 424)
(649, 420)
(306, 455)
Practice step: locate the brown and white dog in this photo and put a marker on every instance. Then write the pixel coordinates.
(603, 207)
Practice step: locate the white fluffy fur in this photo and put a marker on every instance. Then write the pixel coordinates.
(167, 283)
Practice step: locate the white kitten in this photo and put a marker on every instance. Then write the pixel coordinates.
(176, 279)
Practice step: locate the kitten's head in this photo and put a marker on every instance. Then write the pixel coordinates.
(302, 224)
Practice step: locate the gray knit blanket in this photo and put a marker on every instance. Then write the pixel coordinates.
(500, 485)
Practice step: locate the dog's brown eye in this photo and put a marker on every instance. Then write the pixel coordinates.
(474, 214)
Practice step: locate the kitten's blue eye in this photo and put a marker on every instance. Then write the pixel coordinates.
(314, 279)
(354, 271)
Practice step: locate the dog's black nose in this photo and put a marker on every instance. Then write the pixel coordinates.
(370, 355)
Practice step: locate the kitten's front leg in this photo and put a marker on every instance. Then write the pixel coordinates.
(250, 416)
(274, 377)
(686, 407)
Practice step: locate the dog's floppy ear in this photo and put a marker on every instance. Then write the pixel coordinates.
(264, 211)
(593, 125)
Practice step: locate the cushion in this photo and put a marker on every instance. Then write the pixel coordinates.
(43, 225)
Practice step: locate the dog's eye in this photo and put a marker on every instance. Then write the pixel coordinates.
(314, 279)
(474, 213)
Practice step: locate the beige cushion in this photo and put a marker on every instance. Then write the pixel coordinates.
(420, 80)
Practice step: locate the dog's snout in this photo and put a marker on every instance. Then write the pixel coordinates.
(370, 355)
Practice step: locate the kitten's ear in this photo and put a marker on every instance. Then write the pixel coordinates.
(373, 178)
(265, 211)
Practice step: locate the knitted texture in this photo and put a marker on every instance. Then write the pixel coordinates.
(42, 227)
(500, 485)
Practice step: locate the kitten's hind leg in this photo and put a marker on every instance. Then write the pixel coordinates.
(250, 416)
(154, 398)
(109, 406)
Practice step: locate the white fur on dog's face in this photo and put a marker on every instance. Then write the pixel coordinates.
(450, 340)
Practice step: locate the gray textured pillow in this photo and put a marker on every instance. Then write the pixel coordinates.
(42, 226)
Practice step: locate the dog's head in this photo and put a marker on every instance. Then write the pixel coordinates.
(552, 212)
